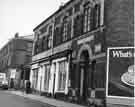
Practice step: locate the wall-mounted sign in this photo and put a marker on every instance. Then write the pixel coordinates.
(84, 40)
(13, 73)
(120, 72)
(98, 47)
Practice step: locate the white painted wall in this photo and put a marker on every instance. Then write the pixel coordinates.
(39, 79)
(51, 82)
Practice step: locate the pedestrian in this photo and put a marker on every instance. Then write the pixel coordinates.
(28, 89)
(12, 83)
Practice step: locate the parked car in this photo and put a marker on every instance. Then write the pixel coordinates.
(4, 84)
(3, 81)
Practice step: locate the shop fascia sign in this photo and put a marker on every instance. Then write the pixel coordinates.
(84, 40)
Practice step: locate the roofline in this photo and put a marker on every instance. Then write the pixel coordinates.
(10, 40)
(20, 37)
(57, 11)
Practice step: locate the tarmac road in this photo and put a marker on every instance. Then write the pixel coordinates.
(11, 100)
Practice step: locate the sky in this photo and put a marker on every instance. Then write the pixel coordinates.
(23, 16)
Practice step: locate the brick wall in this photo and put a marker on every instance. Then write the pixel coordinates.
(119, 22)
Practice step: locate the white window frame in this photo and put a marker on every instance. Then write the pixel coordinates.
(48, 78)
(62, 72)
(56, 76)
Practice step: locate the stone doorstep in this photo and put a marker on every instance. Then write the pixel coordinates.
(43, 99)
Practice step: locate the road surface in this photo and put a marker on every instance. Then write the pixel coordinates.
(10, 100)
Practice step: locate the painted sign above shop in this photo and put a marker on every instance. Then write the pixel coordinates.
(120, 72)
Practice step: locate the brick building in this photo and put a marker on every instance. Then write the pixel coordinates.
(69, 56)
(15, 58)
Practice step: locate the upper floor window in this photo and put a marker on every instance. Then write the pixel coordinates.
(44, 29)
(65, 29)
(77, 7)
(78, 25)
(70, 11)
(35, 47)
(50, 37)
(97, 15)
(87, 18)
(58, 19)
(44, 45)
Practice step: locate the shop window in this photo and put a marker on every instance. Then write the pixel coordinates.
(35, 78)
(62, 75)
(46, 77)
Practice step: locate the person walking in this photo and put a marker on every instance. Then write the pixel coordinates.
(28, 89)
(12, 83)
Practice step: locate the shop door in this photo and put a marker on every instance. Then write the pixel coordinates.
(83, 86)
(83, 82)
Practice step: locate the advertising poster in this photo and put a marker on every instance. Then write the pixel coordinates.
(120, 72)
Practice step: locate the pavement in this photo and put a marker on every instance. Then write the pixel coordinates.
(43, 99)
(12, 100)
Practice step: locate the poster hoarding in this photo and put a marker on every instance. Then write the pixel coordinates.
(120, 72)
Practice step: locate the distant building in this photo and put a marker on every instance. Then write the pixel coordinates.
(69, 55)
(15, 58)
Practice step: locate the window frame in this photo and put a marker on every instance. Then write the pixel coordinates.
(65, 29)
(87, 18)
(46, 77)
(49, 39)
(62, 72)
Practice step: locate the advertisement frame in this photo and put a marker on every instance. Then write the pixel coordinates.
(107, 78)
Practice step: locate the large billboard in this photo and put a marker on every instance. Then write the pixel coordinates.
(120, 72)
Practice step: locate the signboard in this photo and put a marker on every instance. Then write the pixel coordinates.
(13, 73)
(120, 72)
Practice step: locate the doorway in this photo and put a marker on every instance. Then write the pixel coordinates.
(83, 74)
